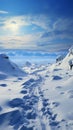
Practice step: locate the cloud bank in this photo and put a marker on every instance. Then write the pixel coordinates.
(51, 36)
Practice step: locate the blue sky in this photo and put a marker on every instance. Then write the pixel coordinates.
(36, 25)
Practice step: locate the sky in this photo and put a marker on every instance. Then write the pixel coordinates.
(36, 25)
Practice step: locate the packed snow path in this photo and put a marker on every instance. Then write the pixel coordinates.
(35, 102)
(27, 115)
(32, 111)
(38, 98)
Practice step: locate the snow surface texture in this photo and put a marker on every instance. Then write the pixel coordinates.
(42, 100)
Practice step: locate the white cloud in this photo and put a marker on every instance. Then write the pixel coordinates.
(19, 42)
(13, 38)
(42, 21)
(3, 12)
(63, 24)
(31, 42)
(14, 24)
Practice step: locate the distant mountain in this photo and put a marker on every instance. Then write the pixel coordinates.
(8, 68)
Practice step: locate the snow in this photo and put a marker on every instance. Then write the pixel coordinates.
(59, 58)
(39, 100)
(71, 50)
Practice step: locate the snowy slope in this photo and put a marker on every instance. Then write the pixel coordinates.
(8, 68)
(63, 64)
(42, 100)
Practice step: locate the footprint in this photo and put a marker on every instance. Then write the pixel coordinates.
(70, 92)
(3, 85)
(26, 97)
(55, 77)
(57, 69)
(27, 107)
(43, 109)
(58, 87)
(53, 117)
(14, 118)
(17, 102)
(56, 104)
(49, 112)
(46, 75)
(31, 115)
(24, 92)
(62, 93)
(20, 78)
(25, 128)
(41, 94)
(54, 123)
(45, 103)
(9, 89)
(27, 83)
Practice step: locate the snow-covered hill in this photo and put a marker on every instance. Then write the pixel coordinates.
(8, 68)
